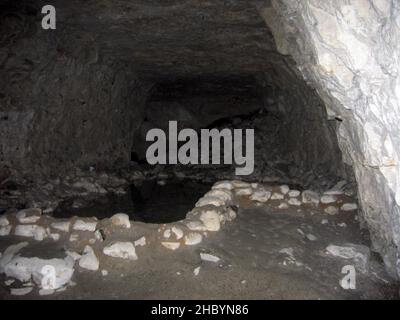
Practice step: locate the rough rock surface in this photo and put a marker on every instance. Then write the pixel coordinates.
(350, 52)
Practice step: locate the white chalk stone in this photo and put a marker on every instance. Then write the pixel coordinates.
(4, 221)
(223, 194)
(223, 185)
(211, 220)
(81, 225)
(177, 232)
(31, 231)
(9, 282)
(309, 196)
(294, 193)
(331, 210)
(196, 271)
(61, 226)
(21, 291)
(284, 189)
(124, 250)
(209, 257)
(141, 242)
(5, 231)
(358, 253)
(327, 199)
(98, 236)
(277, 196)
(170, 245)
(196, 226)
(104, 273)
(193, 238)
(89, 260)
(31, 215)
(209, 200)
(261, 196)
(349, 207)
(283, 206)
(241, 184)
(294, 202)
(167, 234)
(244, 191)
(54, 236)
(121, 220)
(324, 221)
(25, 269)
(46, 292)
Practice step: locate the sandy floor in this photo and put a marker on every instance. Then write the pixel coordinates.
(251, 267)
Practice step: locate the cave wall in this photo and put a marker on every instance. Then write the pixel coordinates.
(62, 105)
(349, 51)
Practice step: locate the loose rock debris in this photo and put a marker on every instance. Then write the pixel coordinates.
(215, 209)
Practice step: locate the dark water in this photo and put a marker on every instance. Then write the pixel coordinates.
(147, 202)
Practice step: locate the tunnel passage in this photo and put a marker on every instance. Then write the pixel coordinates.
(78, 96)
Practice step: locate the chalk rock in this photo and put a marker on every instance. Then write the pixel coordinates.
(177, 232)
(294, 193)
(121, 220)
(104, 273)
(294, 202)
(5, 231)
(46, 292)
(211, 220)
(223, 185)
(196, 226)
(10, 252)
(141, 242)
(331, 210)
(31, 231)
(358, 253)
(54, 236)
(283, 206)
(284, 189)
(171, 245)
(244, 191)
(261, 196)
(25, 269)
(223, 194)
(210, 200)
(31, 215)
(61, 226)
(20, 291)
(209, 257)
(81, 225)
(196, 271)
(193, 238)
(337, 189)
(167, 234)
(326, 199)
(89, 260)
(241, 184)
(277, 196)
(349, 207)
(124, 250)
(4, 221)
(309, 196)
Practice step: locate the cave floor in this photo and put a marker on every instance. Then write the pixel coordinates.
(252, 265)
